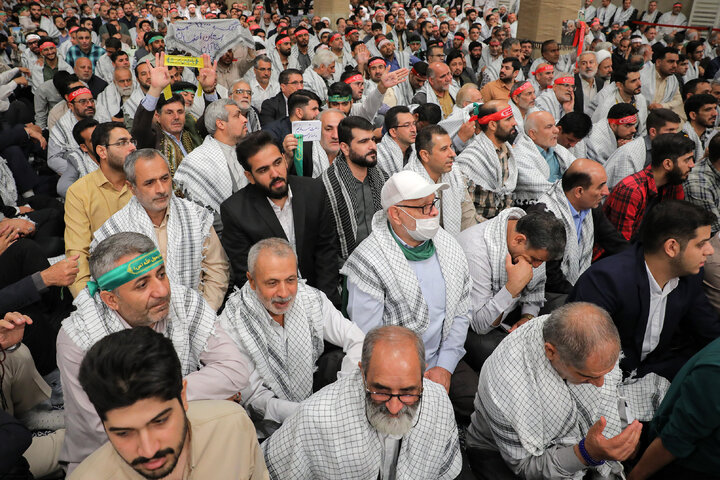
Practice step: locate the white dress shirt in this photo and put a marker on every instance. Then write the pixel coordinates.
(286, 219)
(656, 313)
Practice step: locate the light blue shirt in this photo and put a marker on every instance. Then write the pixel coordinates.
(578, 218)
(552, 162)
(366, 312)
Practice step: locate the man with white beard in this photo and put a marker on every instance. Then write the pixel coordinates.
(371, 421)
(111, 101)
(241, 92)
(587, 86)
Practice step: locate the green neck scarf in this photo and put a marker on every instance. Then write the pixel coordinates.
(421, 252)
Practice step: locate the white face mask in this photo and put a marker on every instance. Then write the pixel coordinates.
(425, 228)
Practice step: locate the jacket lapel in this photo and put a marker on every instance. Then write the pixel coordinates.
(265, 212)
(298, 207)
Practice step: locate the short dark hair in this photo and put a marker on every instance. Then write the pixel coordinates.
(621, 110)
(128, 366)
(424, 138)
(670, 145)
(675, 219)
(452, 55)
(691, 86)
(61, 80)
(516, 65)
(176, 97)
(714, 149)
(347, 74)
(113, 42)
(661, 53)
(696, 102)
(429, 112)
(577, 178)
(347, 124)
(101, 134)
(692, 46)
(659, 117)
(376, 26)
(301, 98)
(391, 116)
(484, 110)
(340, 89)
(620, 74)
(81, 126)
(284, 77)
(546, 44)
(118, 53)
(251, 145)
(543, 231)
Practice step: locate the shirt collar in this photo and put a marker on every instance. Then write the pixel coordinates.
(655, 287)
(549, 154)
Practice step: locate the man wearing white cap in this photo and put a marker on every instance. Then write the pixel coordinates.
(31, 54)
(412, 273)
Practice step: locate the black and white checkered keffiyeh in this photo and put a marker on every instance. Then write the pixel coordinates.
(533, 169)
(495, 237)
(479, 163)
(577, 256)
(329, 438)
(389, 156)
(649, 84)
(338, 180)
(8, 188)
(286, 366)
(204, 175)
(320, 160)
(190, 324)
(61, 141)
(627, 160)
(82, 162)
(530, 407)
(379, 268)
(601, 143)
(188, 228)
(451, 199)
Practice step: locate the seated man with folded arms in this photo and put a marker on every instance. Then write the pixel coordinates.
(280, 324)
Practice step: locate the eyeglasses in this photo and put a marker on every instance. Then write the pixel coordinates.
(123, 142)
(566, 85)
(84, 101)
(405, 398)
(298, 82)
(406, 125)
(426, 209)
(241, 91)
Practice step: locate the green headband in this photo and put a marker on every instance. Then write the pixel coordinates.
(156, 38)
(126, 272)
(338, 99)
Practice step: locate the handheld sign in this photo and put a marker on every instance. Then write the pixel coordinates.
(309, 129)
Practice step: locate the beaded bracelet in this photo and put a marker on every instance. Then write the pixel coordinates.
(586, 456)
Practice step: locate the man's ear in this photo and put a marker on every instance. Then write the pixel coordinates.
(672, 248)
(345, 149)
(110, 299)
(183, 395)
(250, 279)
(550, 351)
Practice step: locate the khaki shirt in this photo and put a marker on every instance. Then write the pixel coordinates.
(88, 204)
(446, 103)
(223, 445)
(675, 104)
(495, 90)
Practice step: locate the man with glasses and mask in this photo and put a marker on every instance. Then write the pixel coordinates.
(134, 381)
(81, 104)
(385, 419)
(95, 197)
(291, 207)
(411, 272)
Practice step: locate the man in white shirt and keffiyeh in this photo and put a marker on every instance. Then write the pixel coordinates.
(384, 421)
(551, 402)
(280, 324)
(411, 272)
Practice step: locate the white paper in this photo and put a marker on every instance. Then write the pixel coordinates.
(309, 129)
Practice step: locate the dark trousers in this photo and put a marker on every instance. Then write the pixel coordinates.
(463, 386)
(489, 465)
(479, 347)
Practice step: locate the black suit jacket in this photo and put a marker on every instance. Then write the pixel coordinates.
(620, 285)
(248, 218)
(273, 109)
(579, 106)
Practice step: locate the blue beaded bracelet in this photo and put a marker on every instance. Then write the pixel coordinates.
(586, 456)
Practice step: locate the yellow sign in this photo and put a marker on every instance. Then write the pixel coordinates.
(182, 61)
(167, 92)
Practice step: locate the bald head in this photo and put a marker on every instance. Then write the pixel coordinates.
(393, 347)
(586, 165)
(540, 127)
(468, 94)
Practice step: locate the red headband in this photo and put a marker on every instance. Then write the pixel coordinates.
(565, 80)
(76, 93)
(623, 121)
(74, 29)
(677, 4)
(459, 36)
(493, 117)
(377, 60)
(354, 78)
(521, 89)
(544, 68)
(282, 40)
(412, 70)
(354, 30)
(334, 36)
(46, 45)
(301, 31)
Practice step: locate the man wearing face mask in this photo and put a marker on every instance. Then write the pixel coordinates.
(111, 101)
(412, 273)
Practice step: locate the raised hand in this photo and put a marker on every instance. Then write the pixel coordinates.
(159, 75)
(208, 74)
(390, 79)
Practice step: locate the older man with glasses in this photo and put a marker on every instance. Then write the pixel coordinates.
(81, 104)
(241, 92)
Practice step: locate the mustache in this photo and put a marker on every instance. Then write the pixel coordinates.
(282, 299)
(159, 454)
(277, 179)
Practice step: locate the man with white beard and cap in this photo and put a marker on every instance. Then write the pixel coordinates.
(280, 324)
(383, 421)
(111, 101)
(411, 272)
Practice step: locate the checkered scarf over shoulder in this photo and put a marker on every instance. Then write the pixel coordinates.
(330, 437)
(8, 189)
(338, 181)
(379, 268)
(495, 237)
(190, 324)
(389, 156)
(188, 228)
(530, 408)
(533, 169)
(479, 162)
(577, 256)
(286, 367)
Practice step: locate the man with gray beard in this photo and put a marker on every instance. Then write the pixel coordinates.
(111, 101)
(241, 92)
(371, 422)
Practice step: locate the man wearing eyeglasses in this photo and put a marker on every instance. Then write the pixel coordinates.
(242, 94)
(560, 99)
(81, 104)
(397, 145)
(384, 421)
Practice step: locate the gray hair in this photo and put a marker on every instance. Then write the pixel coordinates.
(393, 334)
(543, 231)
(323, 57)
(578, 329)
(603, 46)
(235, 83)
(106, 254)
(509, 42)
(586, 53)
(277, 246)
(261, 58)
(333, 110)
(131, 160)
(217, 111)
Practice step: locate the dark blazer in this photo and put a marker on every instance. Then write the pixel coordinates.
(579, 106)
(620, 285)
(279, 129)
(247, 217)
(273, 109)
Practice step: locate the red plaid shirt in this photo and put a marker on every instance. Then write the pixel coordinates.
(628, 202)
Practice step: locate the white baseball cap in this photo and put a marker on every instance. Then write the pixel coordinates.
(407, 185)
